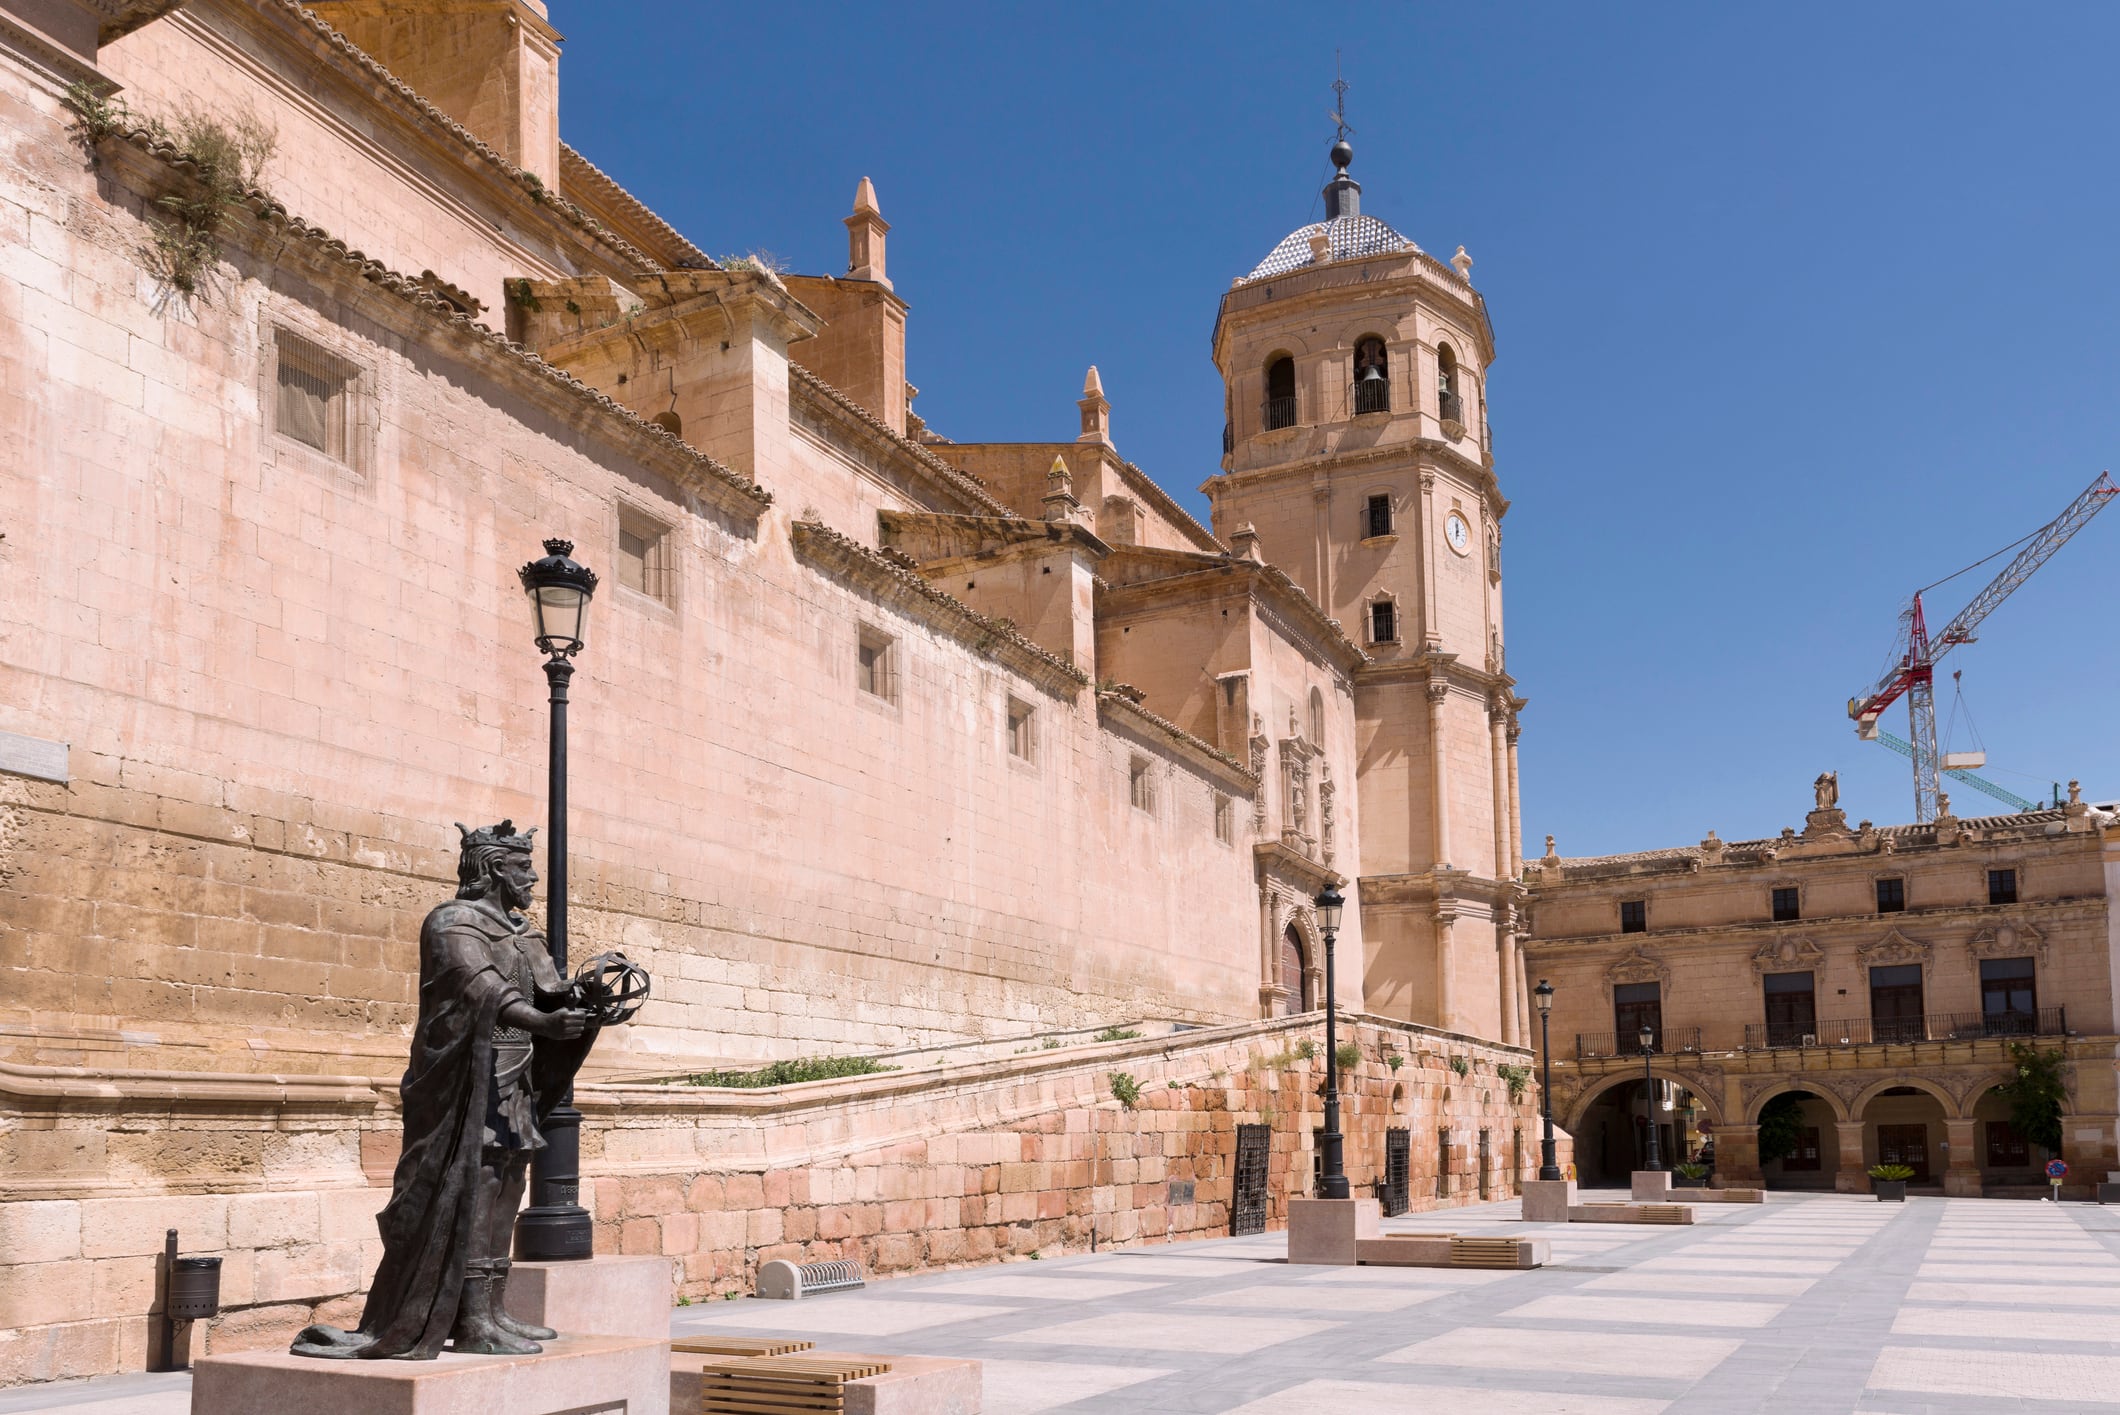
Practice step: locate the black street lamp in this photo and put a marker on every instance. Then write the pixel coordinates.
(1548, 1165)
(1334, 1183)
(556, 1225)
(1648, 1036)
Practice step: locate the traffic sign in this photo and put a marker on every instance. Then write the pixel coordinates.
(2056, 1170)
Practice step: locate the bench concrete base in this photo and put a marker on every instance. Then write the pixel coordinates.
(583, 1375)
(1548, 1200)
(915, 1385)
(1650, 1186)
(1325, 1231)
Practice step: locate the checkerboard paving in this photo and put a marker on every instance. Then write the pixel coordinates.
(1806, 1304)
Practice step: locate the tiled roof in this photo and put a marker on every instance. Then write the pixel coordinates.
(1351, 236)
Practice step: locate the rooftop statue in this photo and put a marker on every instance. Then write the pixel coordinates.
(497, 1042)
(1827, 789)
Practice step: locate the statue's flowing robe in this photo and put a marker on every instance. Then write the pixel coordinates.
(474, 960)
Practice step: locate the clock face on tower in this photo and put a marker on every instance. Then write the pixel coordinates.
(1457, 533)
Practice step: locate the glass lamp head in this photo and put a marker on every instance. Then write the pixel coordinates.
(1329, 904)
(560, 589)
(1543, 995)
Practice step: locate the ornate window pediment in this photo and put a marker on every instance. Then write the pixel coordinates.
(1895, 947)
(1787, 955)
(2008, 941)
(1637, 966)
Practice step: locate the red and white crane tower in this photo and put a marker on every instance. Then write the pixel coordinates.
(1913, 675)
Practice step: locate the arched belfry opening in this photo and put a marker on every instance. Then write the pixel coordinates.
(1372, 376)
(1280, 407)
(1449, 404)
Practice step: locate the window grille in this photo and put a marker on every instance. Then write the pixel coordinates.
(1634, 916)
(312, 395)
(1384, 622)
(876, 667)
(1247, 1208)
(1786, 906)
(2002, 886)
(1021, 743)
(1141, 785)
(1398, 1172)
(1377, 516)
(644, 557)
(1891, 896)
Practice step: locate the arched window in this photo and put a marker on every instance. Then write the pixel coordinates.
(1448, 403)
(1317, 718)
(1280, 409)
(670, 423)
(1383, 622)
(1291, 978)
(1372, 376)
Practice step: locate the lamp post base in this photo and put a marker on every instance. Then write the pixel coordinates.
(554, 1233)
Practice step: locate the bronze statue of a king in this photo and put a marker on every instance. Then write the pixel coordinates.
(498, 1040)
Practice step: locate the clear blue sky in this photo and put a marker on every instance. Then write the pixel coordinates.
(1800, 307)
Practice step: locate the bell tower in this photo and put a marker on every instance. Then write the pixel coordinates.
(1356, 449)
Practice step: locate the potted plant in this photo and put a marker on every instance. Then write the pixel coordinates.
(1889, 1182)
(1693, 1172)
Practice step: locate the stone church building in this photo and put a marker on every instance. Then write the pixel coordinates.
(312, 328)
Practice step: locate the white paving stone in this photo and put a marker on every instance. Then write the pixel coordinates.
(1343, 1397)
(1647, 1311)
(1052, 1289)
(1168, 1331)
(842, 1313)
(1996, 1375)
(1028, 1387)
(1598, 1353)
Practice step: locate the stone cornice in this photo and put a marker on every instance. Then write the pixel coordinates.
(1434, 667)
(1171, 511)
(812, 394)
(1292, 612)
(981, 539)
(1119, 704)
(895, 582)
(578, 173)
(1484, 483)
(1436, 888)
(423, 315)
(180, 1090)
(1274, 857)
(1329, 283)
(1826, 930)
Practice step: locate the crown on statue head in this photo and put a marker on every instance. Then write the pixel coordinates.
(496, 837)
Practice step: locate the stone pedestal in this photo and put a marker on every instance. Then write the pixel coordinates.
(595, 1296)
(915, 1385)
(584, 1375)
(1326, 1230)
(1651, 1186)
(1548, 1200)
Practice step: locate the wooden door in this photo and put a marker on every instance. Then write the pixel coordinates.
(1907, 1145)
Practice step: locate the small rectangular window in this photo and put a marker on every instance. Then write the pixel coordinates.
(311, 406)
(1633, 916)
(1891, 896)
(1021, 732)
(1141, 785)
(876, 667)
(2006, 1148)
(1225, 819)
(2002, 886)
(1377, 516)
(644, 556)
(1384, 622)
(1785, 905)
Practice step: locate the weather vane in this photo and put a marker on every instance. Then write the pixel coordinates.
(1339, 89)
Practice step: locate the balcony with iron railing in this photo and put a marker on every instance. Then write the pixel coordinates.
(1452, 407)
(1897, 1031)
(1372, 395)
(1592, 1046)
(1276, 413)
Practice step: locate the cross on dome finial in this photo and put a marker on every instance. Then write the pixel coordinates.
(1339, 107)
(1343, 195)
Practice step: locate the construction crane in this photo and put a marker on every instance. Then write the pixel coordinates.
(1913, 675)
(1979, 783)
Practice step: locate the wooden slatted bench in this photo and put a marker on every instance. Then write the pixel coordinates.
(741, 1345)
(781, 1385)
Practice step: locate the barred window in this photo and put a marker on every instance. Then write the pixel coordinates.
(1383, 622)
(311, 406)
(644, 556)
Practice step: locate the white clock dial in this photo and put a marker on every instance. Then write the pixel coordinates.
(1457, 533)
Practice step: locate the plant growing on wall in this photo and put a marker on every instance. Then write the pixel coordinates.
(1394, 1060)
(1116, 1034)
(1306, 1049)
(1461, 1065)
(1518, 1077)
(1125, 1089)
(2037, 1096)
(226, 157)
(1349, 1055)
(789, 1073)
(1780, 1127)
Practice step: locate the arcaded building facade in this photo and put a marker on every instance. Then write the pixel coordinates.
(312, 328)
(1879, 974)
